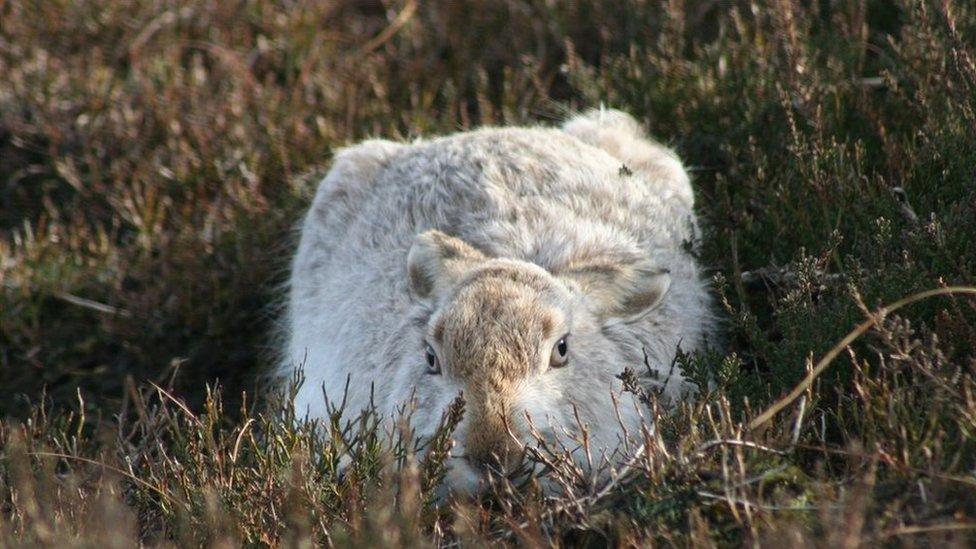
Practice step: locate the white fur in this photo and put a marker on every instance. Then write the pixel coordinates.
(596, 189)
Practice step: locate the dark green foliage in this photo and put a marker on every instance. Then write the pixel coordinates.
(155, 158)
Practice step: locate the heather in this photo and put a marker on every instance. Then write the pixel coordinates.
(155, 159)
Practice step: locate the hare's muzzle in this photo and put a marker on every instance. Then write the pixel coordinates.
(492, 438)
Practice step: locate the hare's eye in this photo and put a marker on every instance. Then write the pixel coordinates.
(560, 353)
(433, 363)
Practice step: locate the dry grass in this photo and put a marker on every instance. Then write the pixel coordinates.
(153, 159)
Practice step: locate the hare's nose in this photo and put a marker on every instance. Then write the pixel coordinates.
(492, 448)
(505, 460)
(491, 435)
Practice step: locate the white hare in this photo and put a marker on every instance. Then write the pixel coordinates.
(524, 267)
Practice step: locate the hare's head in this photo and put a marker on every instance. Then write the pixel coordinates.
(531, 350)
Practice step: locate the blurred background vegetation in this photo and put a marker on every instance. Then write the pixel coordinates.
(156, 156)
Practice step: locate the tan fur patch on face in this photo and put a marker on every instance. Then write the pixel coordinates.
(493, 326)
(494, 333)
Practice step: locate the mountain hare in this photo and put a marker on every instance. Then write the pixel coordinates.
(522, 267)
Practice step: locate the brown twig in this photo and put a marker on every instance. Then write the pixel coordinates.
(925, 529)
(862, 328)
(401, 19)
(733, 442)
(93, 305)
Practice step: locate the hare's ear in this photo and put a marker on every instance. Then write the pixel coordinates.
(618, 134)
(437, 261)
(622, 293)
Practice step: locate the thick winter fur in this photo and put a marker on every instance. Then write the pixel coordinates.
(491, 246)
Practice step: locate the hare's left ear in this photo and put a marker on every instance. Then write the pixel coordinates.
(622, 293)
(437, 261)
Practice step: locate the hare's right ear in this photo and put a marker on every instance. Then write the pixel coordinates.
(623, 293)
(437, 261)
